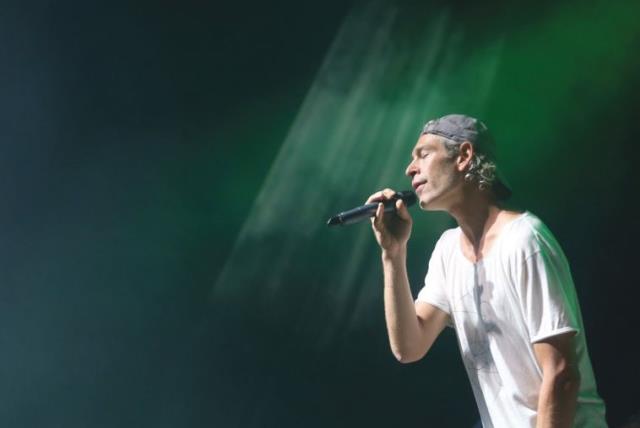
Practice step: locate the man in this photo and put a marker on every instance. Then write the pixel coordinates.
(500, 280)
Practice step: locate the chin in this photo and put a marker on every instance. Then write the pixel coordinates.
(430, 204)
(426, 205)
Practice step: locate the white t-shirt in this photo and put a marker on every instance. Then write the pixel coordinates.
(521, 292)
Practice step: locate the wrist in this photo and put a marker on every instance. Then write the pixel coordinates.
(394, 255)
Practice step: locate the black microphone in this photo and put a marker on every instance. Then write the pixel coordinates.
(369, 210)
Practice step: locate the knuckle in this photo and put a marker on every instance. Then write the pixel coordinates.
(375, 197)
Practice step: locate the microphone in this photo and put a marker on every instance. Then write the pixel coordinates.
(369, 210)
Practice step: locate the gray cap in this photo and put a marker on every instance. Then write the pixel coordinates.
(460, 128)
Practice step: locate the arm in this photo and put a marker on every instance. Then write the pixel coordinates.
(412, 327)
(560, 381)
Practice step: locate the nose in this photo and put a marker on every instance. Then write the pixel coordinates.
(411, 169)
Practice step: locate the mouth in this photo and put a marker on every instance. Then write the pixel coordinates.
(417, 185)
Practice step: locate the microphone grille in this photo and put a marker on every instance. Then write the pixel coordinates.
(408, 197)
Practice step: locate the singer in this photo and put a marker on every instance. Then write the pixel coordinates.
(500, 279)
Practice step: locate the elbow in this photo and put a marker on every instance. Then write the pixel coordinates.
(406, 357)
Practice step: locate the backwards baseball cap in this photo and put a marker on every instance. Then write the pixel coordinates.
(461, 128)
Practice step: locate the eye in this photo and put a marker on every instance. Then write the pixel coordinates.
(423, 154)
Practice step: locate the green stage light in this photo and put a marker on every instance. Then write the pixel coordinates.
(353, 135)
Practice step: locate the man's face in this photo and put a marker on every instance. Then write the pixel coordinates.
(433, 173)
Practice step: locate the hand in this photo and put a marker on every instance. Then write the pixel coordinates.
(392, 230)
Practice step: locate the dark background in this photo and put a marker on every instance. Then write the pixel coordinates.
(136, 137)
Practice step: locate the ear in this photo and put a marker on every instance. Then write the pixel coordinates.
(464, 156)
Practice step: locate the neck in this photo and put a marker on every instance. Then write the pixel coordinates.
(475, 213)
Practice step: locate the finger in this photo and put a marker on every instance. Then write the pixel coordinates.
(402, 210)
(374, 217)
(376, 197)
(388, 193)
(382, 195)
(379, 218)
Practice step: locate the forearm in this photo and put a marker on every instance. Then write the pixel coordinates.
(557, 401)
(400, 314)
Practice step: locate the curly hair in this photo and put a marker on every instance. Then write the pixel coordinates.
(482, 169)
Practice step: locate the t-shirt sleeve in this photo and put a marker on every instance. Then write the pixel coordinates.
(433, 291)
(547, 295)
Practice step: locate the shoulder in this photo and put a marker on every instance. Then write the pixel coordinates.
(446, 243)
(449, 238)
(527, 235)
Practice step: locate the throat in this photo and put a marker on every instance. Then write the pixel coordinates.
(475, 253)
(477, 242)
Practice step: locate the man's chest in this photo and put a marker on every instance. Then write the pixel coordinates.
(481, 297)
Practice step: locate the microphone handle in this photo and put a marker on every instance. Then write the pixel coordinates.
(358, 214)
